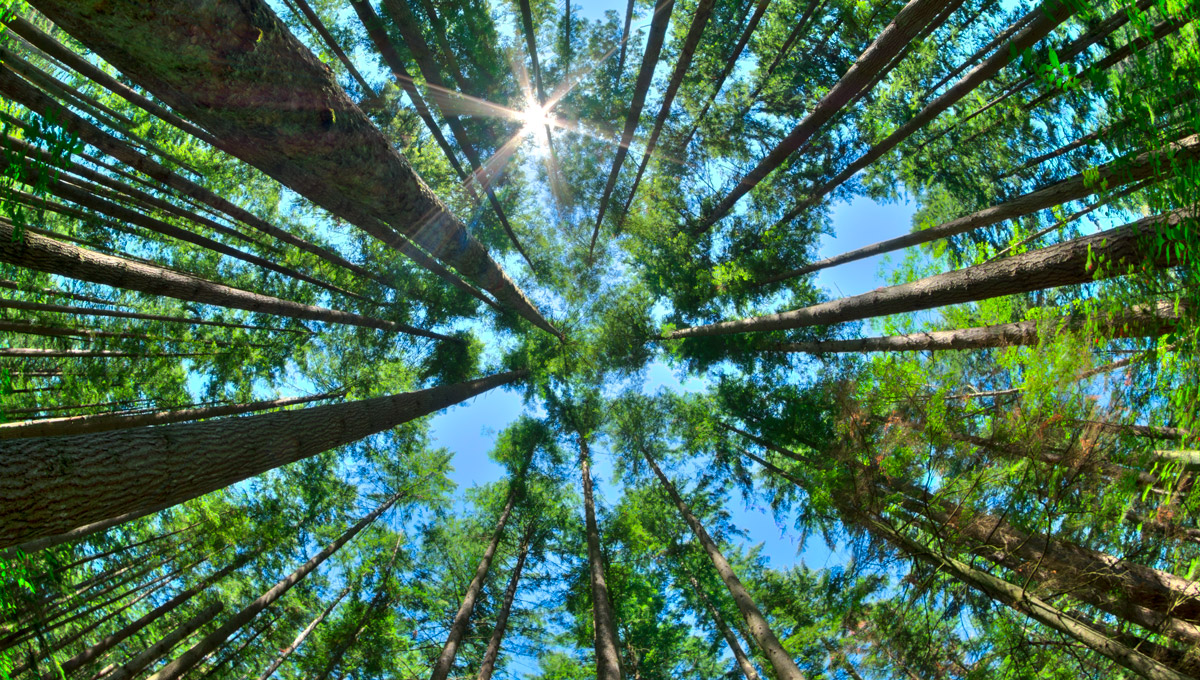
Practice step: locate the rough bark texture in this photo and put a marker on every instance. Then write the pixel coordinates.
(905, 27)
(654, 43)
(1144, 166)
(462, 618)
(735, 647)
(488, 664)
(1065, 264)
(53, 484)
(217, 638)
(1144, 323)
(47, 255)
(608, 659)
(105, 422)
(236, 70)
(781, 662)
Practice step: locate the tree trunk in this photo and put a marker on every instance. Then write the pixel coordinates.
(1044, 19)
(624, 37)
(51, 483)
(654, 43)
(458, 628)
(47, 255)
(1138, 323)
(735, 647)
(89, 311)
(319, 27)
(488, 664)
(908, 23)
(1073, 262)
(317, 141)
(215, 639)
(682, 63)
(608, 659)
(287, 651)
(105, 422)
(1148, 165)
(159, 649)
(1021, 600)
(781, 662)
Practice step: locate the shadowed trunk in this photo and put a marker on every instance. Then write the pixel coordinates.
(488, 664)
(735, 647)
(608, 659)
(301, 637)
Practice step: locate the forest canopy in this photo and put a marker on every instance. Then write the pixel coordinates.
(249, 249)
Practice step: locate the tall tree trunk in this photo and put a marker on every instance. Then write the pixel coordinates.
(912, 19)
(488, 664)
(624, 37)
(654, 43)
(682, 63)
(301, 637)
(108, 642)
(781, 662)
(1072, 262)
(735, 647)
(1045, 19)
(215, 639)
(165, 644)
(1137, 323)
(458, 627)
(327, 37)
(1148, 165)
(105, 422)
(311, 144)
(121, 314)
(76, 533)
(608, 659)
(51, 483)
(47, 255)
(1021, 600)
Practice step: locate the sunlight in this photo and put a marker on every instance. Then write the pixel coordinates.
(535, 116)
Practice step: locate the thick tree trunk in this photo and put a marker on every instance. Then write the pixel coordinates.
(1124, 171)
(908, 23)
(654, 43)
(297, 126)
(105, 422)
(52, 483)
(488, 664)
(1021, 600)
(781, 662)
(735, 647)
(462, 618)
(47, 255)
(682, 63)
(1064, 264)
(214, 640)
(121, 314)
(301, 637)
(608, 659)
(1138, 323)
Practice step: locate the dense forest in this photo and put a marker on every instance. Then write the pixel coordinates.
(250, 248)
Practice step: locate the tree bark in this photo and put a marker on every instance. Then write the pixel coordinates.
(458, 627)
(1072, 262)
(735, 647)
(160, 648)
(319, 27)
(90, 311)
(1148, 165)
(488, 664)
(781, 662)
(213, 641)
(311, 137)
(52, 483)
(682, 63)
(654, 43)
(105, 422)
(608, 659)
(47, 255)
(908, 23)
(1021, 600)
(1138, 323)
